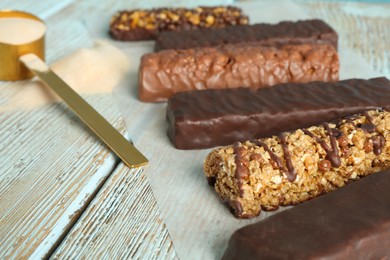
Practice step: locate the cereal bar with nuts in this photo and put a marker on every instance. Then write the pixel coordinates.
(214, 117)
(229, 66)
(300, 32)
(146, 24)
(297, 166)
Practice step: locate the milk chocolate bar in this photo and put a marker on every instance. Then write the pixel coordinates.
(350, 223)
(296, 166)
(300, 32)
(209, 118)
(167, 72)
(147, 24)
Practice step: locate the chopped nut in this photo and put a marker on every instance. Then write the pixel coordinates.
(343, 141)
(210, 20)
(243, 20)
(135, 15)
(173, 17)
(162, 16)
(324, 165)
(150, 27)
(141, 23)
(368, 146)
(195, 19)
(256, 157)
(219, 10)
(124, 17)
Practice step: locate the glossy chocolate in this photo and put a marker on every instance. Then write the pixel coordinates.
(208, 118)
(300, 32)
(352, 222)
(167, 72)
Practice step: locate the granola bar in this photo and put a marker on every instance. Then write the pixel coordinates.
(146, 24)
(296, 166)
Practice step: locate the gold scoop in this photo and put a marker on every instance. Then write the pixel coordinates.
(31, 54)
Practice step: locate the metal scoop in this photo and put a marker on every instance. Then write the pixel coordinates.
(23, 60)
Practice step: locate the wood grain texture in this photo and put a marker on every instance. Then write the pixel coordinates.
(119, 223)
(362, 27)
(50, 168)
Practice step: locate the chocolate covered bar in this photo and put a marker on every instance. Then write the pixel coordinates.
(300, 32)
(293, 167)
(350, 223)
(147, 24)
(214, 117)
(167, 72)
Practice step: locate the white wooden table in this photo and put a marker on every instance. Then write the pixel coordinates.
(62, 193)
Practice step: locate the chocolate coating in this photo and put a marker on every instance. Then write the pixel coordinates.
(167, 72)
(300, 32)
(208, 118)
(352, 222)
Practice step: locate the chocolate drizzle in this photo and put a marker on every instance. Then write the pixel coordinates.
(241, 170)
(378, 141)
(332, 154)
(368, 127)
(290, 171)
(273, 156)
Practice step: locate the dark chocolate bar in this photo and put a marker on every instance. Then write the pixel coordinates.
(166, 72)
(350, 223)
(208, 118)
(147, 24)
(301, 32)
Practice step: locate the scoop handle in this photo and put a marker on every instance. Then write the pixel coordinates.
(104, 130)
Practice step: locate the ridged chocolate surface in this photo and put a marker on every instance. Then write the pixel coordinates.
(352, 222)
(307, 31)
(167, 72)
(208, 118)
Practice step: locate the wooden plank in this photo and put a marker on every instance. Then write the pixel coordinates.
(122, 222)
(48, 144)
(50, 168)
